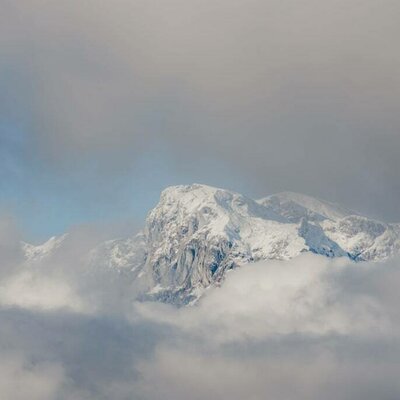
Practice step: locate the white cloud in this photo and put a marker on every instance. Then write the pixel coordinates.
(31, 290)
(309, 328)
(301, 296)
(21, 379)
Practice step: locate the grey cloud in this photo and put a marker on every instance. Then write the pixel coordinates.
(290, 96)
(90, 357)
(317, 329)
(309, 328)
(10, 250)
(322, 369)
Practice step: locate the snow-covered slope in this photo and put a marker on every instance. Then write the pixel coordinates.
(118, 255)
(37, 253)
(197, 233)
(365, 239)
(295, 206)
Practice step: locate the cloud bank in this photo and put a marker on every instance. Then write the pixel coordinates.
(309, 328)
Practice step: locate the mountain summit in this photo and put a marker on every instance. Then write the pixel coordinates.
(197, 233)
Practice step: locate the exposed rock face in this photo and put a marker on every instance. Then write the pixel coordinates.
(197, 233)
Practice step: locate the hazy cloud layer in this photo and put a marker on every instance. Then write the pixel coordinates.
(281, 94)
(309, 328)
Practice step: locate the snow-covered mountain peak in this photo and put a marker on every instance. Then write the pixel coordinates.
(196, 233)
(39, 252)
(295, 206)
(210, 203)
(193, 198)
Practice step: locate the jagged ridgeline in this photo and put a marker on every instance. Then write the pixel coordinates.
(197, 233)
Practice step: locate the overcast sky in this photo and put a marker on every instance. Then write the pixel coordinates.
(104, 103)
